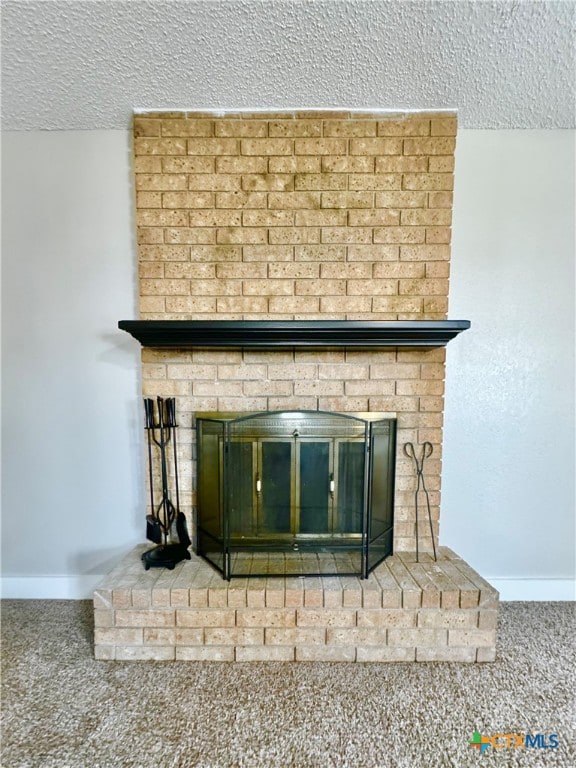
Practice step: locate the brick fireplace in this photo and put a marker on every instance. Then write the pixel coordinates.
(304, 216)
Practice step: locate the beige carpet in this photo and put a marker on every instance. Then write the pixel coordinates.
(62, 709)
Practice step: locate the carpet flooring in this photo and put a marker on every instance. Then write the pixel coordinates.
(63, 709)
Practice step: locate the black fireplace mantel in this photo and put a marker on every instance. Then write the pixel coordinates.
(234, 334)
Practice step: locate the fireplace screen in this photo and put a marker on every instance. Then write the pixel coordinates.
(295, 493)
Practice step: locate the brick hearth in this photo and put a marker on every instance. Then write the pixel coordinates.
(405, 611)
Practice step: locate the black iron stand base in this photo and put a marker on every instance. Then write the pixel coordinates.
(165, 556)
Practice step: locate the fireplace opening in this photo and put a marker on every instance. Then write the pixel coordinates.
(301, 493)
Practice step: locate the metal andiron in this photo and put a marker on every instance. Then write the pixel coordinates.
(295, 492)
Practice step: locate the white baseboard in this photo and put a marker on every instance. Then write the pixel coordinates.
(49, 587)
(81, 588)
(534, 589)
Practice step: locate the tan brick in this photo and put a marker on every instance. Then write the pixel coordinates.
(121, 598)
(372, 287)
(234, 636)
(488, 619)
(383, 654)
(241, 199)
(161, 182)
(250, 236)
(309, 617)
(485, 654)
(164, 287)
(188, 165)
(268, 218)
(146, 146)
(417, 638)
(438, 235)
(218, 146)
(320, 253)
(290, 127)
(159, 636)
(264, 653)
(435, 182)
(347, 199)
(440, 200)
(293, 235)
(293, 304)
(320, 181)
(445, 126)
(373, 218)
(322, 218)
(150, 236)
(145, 653)
(346, 235)
(211, 617)
(386, 618)
(401, 164)
(115, 636)
(318, 287)
(162, 218)
(164, 252)
(241, 165)
(441, 164)
(264, 147)
(349, 128)
(399, 235)
(424, 252)
(146, 127)
(380, 146)
(471, 637)
(373, 252)
(103, 618)
(197, 236)
(241, 128)
(374, 182)
(294, 165)
(438, 618)
(446, 654)
(405, 126)
(185, 127)
(267, 253)
(241, 304)
(400, 199)
(237, 594)
(283, 200)
(147, 164)
(365, 636)
(145, 618)
(431, 146)
(212, 653)
(325, 653)
(190, 304)
(345, 304)
(295, 636)
(104, 652)
(319, 146)
(265, 618)
(347, 164)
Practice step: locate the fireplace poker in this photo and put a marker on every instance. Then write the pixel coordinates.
(181, 527)
(427, 450)
(153, 526)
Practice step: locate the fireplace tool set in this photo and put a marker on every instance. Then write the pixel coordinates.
(410, 451)
(160, 425)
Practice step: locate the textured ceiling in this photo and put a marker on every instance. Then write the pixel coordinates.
(88, 65)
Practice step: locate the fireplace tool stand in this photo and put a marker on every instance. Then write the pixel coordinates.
(410, 451)
(161, 431)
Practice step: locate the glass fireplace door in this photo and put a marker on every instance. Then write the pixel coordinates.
(294, 492)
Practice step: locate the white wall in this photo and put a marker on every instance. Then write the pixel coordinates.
(508, 503)
(71, 441)
(72, 438)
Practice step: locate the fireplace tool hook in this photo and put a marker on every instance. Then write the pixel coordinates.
(427, 450)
